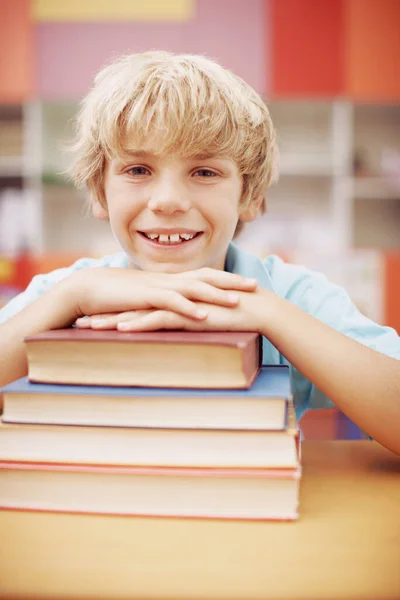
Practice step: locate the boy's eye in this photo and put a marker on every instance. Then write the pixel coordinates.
(205, 173)
(138, 171)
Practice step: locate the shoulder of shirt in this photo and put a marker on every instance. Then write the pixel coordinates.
(293, 282)
(118, 259)
(43, 282)
(314, 293)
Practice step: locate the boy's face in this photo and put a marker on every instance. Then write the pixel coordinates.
(172, 214)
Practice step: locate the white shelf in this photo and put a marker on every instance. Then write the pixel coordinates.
(315, 165)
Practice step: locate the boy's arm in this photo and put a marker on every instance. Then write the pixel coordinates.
(102, 290)
(52, 310)
(362, 382)
(81, 293)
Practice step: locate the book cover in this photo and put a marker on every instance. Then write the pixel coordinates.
(255, 494)
(150, 359)
(239, 339)
(124, 446)
(263, 406)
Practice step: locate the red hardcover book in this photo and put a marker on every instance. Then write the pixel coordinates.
(180, 359)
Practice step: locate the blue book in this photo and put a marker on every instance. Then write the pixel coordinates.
(264, 406)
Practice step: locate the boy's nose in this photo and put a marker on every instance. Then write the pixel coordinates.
(168, 199)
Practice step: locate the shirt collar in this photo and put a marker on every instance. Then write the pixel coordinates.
(249, 265)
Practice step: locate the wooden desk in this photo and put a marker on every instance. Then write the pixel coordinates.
(345, 545)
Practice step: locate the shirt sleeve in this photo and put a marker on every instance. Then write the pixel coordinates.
(42, 283)
(38, 286)
(330, 303)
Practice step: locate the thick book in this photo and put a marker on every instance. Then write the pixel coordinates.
(179, 359)
(147, 447)
(263, 406)
(257, 494)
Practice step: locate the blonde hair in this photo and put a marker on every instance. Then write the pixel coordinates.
(188, 104)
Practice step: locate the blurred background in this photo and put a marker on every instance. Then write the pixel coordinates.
(330, 73)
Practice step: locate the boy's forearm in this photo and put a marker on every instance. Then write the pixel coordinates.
(54, 309)
(363, 383)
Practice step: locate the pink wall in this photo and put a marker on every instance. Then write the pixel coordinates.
(69, 54)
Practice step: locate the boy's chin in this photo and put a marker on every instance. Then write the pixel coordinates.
(170, 268)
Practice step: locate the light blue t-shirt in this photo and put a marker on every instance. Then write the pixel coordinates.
(308, 290)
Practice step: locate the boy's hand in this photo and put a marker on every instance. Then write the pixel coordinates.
(101, 291)
(248, 315)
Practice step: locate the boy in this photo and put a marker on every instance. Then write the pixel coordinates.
(176, 153)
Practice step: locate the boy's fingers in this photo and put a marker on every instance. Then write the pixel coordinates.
(83, 323)
(171, 300)
(222, 279)
(111, 321)
(183, 301)
(153, 321)
(200, 291)
(96, 321)
(142, 299)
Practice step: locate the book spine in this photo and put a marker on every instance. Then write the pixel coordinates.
(252, 360)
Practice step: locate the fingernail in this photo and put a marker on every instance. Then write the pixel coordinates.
(202, 314)
(82, 323)
(251, 281)
(123, 325)
(233, 298)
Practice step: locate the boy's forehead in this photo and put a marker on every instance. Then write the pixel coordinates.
(183, 140)
(157, 145)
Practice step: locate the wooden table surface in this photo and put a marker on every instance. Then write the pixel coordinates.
(346, 543)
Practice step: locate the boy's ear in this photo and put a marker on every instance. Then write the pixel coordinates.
(252, 210)
(98, 210)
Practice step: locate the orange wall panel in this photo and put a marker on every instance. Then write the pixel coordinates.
(392, 290)
(373, 50)
(306, 46)
(16, 51)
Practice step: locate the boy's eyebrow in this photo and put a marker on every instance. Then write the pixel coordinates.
(149, 154)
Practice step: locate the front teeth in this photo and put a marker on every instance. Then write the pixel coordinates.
(165, 239)
(174, 238)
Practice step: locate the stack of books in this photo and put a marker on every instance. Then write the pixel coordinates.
(174, 424)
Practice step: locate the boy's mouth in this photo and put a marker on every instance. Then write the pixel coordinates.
(170, 239)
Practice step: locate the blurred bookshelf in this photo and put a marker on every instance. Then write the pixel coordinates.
(339, 183)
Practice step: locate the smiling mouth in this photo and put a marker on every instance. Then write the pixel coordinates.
(172, 239)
